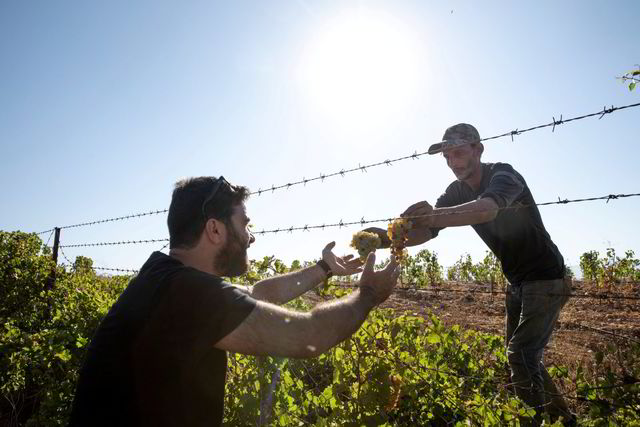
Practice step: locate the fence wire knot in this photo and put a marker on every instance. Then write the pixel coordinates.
(362, 221)
(555, 123)
(612, 197)
(606, 110)
(514, 132)
(362, 168)
(414, 156)
(387, 162)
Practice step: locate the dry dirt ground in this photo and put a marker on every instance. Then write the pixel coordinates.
(586, 325)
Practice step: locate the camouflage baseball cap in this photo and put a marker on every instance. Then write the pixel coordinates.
(456, 135)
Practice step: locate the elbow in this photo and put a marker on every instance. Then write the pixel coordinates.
(490, 215)
(489, 210)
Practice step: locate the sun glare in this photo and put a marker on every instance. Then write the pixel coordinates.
(360, 68)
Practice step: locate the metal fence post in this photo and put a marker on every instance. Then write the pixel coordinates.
(52, 277)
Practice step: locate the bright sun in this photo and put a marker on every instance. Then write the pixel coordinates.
(361, 68)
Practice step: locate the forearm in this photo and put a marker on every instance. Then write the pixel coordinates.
(418, 236)
(335, 321)
(284, 288)
(471, 213)
(275, 331)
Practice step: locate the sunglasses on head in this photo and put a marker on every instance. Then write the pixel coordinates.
(217, 184)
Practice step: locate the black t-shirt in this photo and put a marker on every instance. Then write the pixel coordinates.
(517, 235)
(151, 361)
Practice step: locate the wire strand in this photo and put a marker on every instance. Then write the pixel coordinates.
(363, 168)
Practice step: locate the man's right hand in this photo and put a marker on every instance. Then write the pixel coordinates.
(271, 330)
(385, 242)
(376, 286)
(420, 210)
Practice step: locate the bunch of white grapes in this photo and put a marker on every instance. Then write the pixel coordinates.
(365, 243)
(398, 232)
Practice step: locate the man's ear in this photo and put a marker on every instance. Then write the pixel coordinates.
(214, 230)
(480, 148)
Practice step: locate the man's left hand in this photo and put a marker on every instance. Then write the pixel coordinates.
(341, 266)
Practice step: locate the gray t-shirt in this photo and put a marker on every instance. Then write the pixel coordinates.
(517, 235)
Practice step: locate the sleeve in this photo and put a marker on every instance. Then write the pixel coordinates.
(450, 197)
(504, 187)
(208, 306)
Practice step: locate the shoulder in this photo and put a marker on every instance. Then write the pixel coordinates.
(504, 169)
(500, 167)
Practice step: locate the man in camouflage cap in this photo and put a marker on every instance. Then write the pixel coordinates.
(495, 200)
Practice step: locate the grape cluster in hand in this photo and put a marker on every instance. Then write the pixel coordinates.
(398, 232)
(365, 243)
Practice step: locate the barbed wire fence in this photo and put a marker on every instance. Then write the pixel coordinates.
(363, 168)
(362, 222)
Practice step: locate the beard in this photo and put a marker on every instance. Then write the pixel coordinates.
(232, 261)
(466, 172)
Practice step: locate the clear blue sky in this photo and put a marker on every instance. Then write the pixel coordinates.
(104, 105)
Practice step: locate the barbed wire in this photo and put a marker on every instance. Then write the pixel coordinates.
(49, 239)
(416, 155)
(602, 331)
(122, 270)
(65, 256)
(363, 168)
(124, 242)
(601, 296)
(101, 221)
(125, 270)
(363, 221)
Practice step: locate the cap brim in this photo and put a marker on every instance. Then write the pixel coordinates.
(435, 148)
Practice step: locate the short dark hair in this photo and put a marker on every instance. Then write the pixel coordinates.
(185, 219)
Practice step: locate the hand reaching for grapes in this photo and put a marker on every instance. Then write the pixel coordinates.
(341, 266)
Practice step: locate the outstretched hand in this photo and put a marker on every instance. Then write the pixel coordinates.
(378, 285)
(341, 266)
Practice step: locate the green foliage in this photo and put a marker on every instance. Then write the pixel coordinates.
(610, 268)
(43, 334)
(83, 265)
(395, 370)
(462, 270)
(489, 270)
(422, 270)
(632, 77)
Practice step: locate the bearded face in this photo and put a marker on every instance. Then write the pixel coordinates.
(463, 161)
(232, 260)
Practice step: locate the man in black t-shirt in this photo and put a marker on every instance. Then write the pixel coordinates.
(159, 356)
(496, 201)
